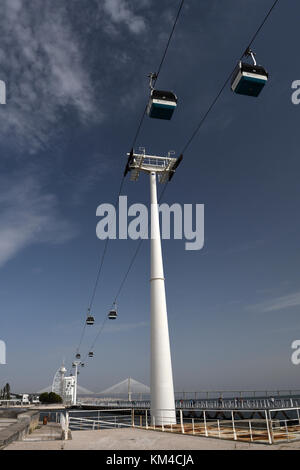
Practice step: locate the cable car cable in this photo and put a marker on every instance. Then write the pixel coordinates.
(98, 273)
(263, 23)
(169, 40)
(159, 69)
(188, 143)
(133, 143)
(96, 338)
(139, 127)
(192, 137)
(122, 181)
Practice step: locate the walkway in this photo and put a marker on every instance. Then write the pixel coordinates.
(136, 439)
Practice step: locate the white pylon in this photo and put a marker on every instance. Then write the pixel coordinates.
(162, 390)
(76, 364)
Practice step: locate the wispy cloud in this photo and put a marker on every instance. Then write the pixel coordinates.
(28, 215)
(278, 303)
(45, 72)
(120, 12)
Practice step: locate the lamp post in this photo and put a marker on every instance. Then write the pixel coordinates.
(161, 385)
(76, 364)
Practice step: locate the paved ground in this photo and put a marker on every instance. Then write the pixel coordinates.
(137, 439)
(51, 432)
(5, 422)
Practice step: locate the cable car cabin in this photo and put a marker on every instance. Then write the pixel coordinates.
(91, 354)
(161, 104)
(249, 79)
(90, 320)
(112, 315)
(77, 356)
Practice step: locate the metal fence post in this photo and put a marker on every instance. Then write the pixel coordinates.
(146, 415)
(181, 421)
(268, 428)
(205, 427)
(250, 430)
(219, 430)
(132, 417)
(193, 426)
(287, 430)
(233, 427)
(64, 426)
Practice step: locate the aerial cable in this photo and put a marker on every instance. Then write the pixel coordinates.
(169, 39)
(155, 76)
(123, 280)
(92, 298)
(203, 119)
(195, 132)
(123, 177)
(188, 143)
(104, 252)
(133, 143)
(96, 338)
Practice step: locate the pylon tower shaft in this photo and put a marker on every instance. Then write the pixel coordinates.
(162, 389)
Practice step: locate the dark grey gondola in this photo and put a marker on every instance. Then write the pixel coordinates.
(161, 104)
(249, 79)
(112, 314)
(90, 320)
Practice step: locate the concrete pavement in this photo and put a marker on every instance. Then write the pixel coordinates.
(138, 439)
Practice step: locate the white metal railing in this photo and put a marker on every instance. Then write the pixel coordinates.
(229, 404)
(93, 424)
(284, 427)
(206, 395)
(268, 427)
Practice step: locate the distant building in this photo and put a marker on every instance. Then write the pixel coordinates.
(69, 384)
(25, 399)
(64, 386)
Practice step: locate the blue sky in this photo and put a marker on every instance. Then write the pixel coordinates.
(76, 74)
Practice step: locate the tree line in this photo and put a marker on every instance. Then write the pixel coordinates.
(5, 392)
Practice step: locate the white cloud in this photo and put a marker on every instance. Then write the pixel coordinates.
(43, 64)
(28, 215)
(279, 303)
(119, 12)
